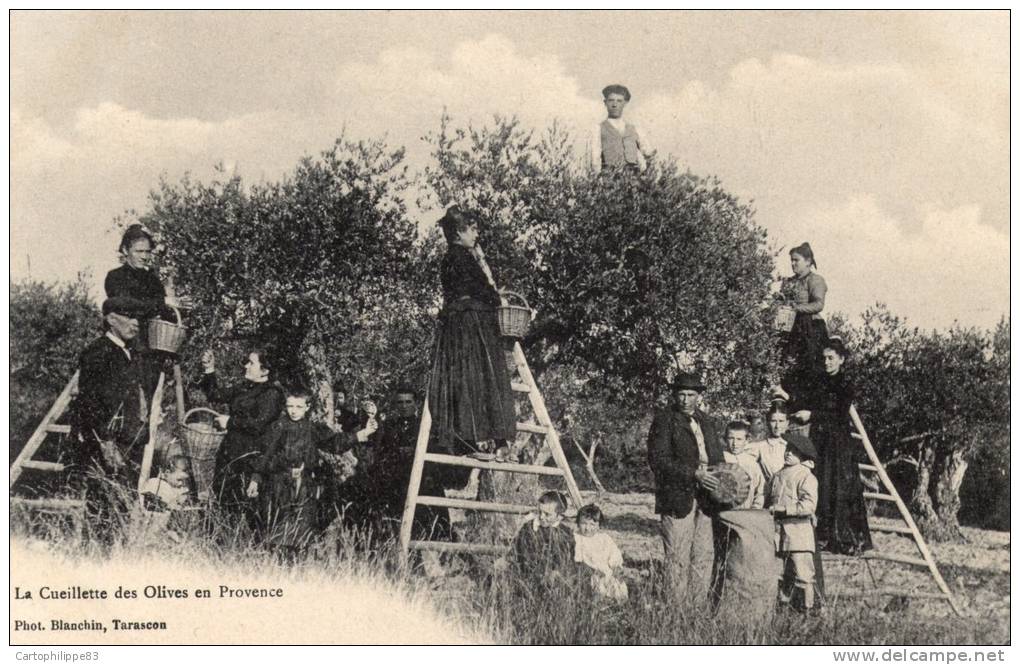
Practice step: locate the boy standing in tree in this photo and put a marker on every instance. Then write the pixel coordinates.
(616, 144)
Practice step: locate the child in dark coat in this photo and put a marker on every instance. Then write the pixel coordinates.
(285, 478)
(543, 549)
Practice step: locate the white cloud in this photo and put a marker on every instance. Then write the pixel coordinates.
(953, 267)
(68, 184)
(900, 191)
(792, 131)
(403, 91)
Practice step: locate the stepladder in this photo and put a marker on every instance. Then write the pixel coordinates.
(880, 488)
(539, 424)
(30, 458)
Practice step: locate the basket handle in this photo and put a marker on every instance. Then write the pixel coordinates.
(507, 295)
(196, 410)
(177, 312)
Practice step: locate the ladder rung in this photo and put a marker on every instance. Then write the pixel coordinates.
(520, 387)
(867, 467)
(856, 436)
(898, 558)
(59, 429)
(42, 466)
(533, 428)
(48, 504)
(443, 546)
(509, 467)
(891, 528)
(893, 592)
(878, 496)
(464, 504)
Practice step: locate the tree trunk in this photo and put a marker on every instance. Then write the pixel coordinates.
(920, 503)
(935, 509)
(589, 465)
(947, 494)
(513, 488)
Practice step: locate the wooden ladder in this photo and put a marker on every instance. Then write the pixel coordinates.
(26, 458)
(49, 425)
(521, 381)
(908, 528)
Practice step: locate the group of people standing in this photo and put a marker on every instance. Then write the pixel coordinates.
(809, 480)
(269, 473)
(269, 470)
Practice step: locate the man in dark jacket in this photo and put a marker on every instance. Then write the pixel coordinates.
(681, 444)
(111, 410)
(109, 416)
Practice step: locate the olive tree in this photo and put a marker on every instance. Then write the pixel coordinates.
(321, 265)
(933, 400)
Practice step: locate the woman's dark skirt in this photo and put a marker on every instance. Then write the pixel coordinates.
(841, 512)
(804, 347)
(470, 398)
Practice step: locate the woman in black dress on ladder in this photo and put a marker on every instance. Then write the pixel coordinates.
(470, 398)
(842, 516)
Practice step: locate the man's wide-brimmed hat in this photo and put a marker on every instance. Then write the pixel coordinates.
(687, 381)
(801, 444)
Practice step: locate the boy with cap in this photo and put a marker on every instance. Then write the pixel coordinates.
(793, 498)
(617, 144)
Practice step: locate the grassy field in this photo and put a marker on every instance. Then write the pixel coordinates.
(353, 590)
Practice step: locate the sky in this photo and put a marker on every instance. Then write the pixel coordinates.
(882, 138)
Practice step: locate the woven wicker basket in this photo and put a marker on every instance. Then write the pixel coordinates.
(514, 320)
(785, 316)
(165, 335)
(203, 441)
(734, 484)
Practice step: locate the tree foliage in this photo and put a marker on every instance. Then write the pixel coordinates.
(322, 265)
(633, 275)
(50, 324)
(934, 400)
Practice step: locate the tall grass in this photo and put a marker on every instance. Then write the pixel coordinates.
(487, 606)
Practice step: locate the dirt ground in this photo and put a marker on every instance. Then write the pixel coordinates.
(977, 572)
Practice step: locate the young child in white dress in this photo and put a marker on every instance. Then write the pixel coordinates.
(170, 488)
(597, 551)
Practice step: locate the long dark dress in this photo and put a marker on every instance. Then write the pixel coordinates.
(253, 408)
(841, 513)
(469, 390)
(807, 338)
(290, 508)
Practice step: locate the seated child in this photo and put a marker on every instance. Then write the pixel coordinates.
(170, 489)
(738, 452)
(794, 495)
(284, 475)
(597, 552)
(543, 549)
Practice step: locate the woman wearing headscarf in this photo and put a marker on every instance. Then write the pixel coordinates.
(136, 279)
(805, 292)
